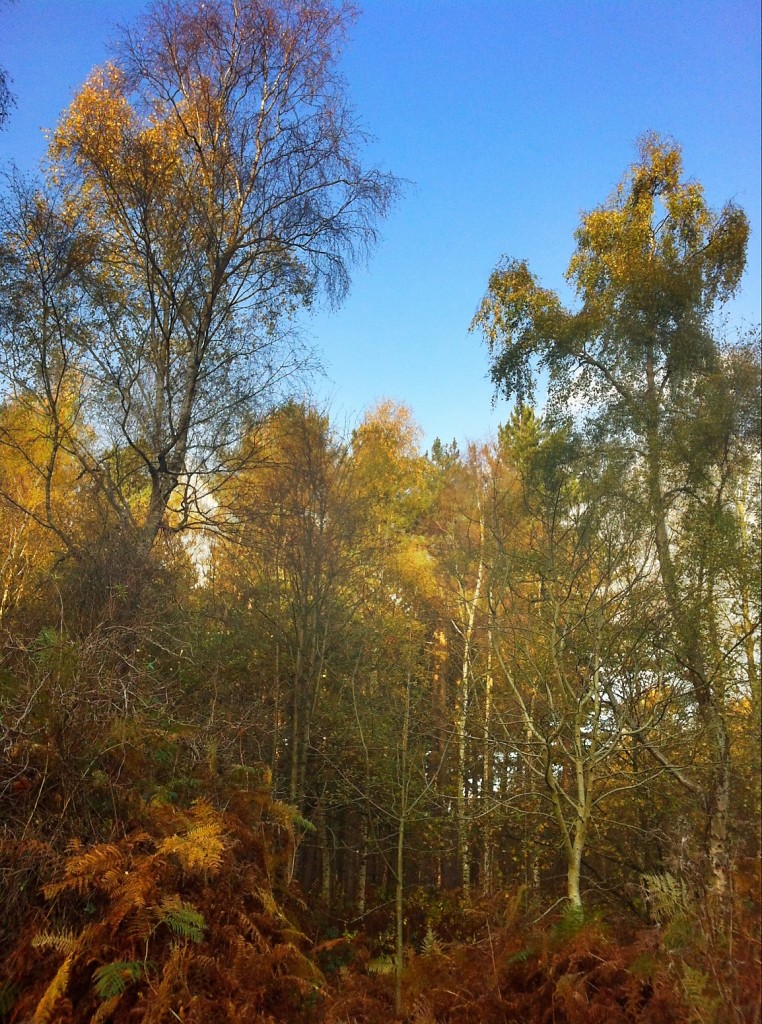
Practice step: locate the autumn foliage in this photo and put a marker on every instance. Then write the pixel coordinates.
(308, 724)
(192, 914)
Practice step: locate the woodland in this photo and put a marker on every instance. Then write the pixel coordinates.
(304, 725)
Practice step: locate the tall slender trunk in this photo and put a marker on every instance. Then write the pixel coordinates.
(691, 652)
(750, 637)
(276, 723)
(325, 853)
(486, 830)
(399, 917)
(294, 795)
(574, 869)
(400, 865)
(719, 808)
(463, 702)
(362, 868)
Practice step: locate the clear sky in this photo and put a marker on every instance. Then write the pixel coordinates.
(508, 118)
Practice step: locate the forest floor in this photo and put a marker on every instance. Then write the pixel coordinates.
(193, 916)
(567, 972)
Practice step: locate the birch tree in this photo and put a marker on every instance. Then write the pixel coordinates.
(208, 180)
(651, 266)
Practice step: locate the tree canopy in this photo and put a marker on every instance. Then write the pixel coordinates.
(203, 186)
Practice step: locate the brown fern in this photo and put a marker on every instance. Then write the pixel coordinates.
(148, 900)
(100, 867)
(172, 990)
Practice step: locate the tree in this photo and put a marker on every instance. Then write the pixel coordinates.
(26, 489)
(207, 185)
(392, 731)
(562, 596)
(632, 358)
(6, 97)
(297, 560)
(457, 544)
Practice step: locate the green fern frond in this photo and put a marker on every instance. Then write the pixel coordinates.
(112, 979)
(181, 918)
(382, 965)
(697, 988)
(667, 896)
(431, 945)
(521, 956)
(569, 924)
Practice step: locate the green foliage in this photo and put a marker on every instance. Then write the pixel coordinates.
(345, 569)
(53, 653)
(112, 979)
(521, 955)
(700, 995)
(667, 896)
(182, 919)
(645, 966)
(444, 456)
(431, 946)
(382, 964)
(649, 266)
(302, 823)
(571, 922)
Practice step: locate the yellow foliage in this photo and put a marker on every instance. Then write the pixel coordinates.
(268, 902)
(47, 1005)
(414, 567)
(94, 130)
(202, 846)
(105, 1010)
(64, 941)
(134, 897)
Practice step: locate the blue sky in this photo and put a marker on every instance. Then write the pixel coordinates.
(508, 118)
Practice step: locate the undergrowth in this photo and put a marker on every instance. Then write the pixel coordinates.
(186, 917)
(191, 916)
